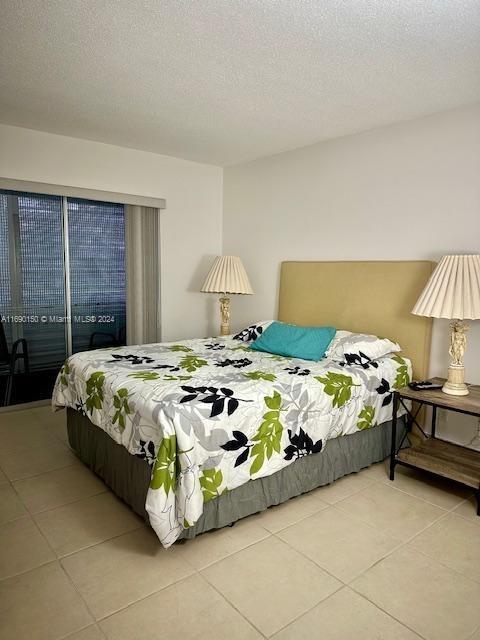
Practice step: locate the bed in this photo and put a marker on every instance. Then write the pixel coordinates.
(197, 434)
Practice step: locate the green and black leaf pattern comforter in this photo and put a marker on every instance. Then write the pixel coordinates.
(209, 415)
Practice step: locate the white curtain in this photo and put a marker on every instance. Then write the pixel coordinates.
(142, 240)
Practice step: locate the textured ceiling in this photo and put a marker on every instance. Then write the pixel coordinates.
(224, 81)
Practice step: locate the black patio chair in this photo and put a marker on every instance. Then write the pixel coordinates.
(108, 339)
(8, 361)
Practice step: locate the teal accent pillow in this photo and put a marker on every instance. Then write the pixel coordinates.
(307, 343)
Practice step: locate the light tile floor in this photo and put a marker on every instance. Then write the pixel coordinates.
(361, 559)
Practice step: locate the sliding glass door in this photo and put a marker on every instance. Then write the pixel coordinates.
(32, 286)
(96, 238)
(62, 282)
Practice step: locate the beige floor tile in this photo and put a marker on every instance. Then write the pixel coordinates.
(434, 601)
(59, 487)
(11, 506)
(22, 547)
(189, 610)
(439, 491)
(339, 543)
(344, 487)
(394, 512)
(468, 509)
(216, 545)
(283, 515)
(41, 604)
(270, 583)
(60, 432)
(3, 478)
(86, 522)
(56, 422)
(32, 462)
(48, 417)
(377, 471)
(453, 541)
(346, 616)
(16, 418)
(20, 431)
(121, 571)
(476, 635)
(93, 632)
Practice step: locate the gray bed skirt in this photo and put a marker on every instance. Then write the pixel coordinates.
(129, 476)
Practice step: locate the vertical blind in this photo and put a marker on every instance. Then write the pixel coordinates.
(34, 270)
(97, 270)
(39, 269)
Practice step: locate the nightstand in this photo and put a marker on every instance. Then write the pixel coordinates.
(432, 454)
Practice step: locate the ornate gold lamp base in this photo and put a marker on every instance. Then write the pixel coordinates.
(455, 385)
(225, 316)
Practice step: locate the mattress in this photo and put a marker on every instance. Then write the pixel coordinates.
(210, 415)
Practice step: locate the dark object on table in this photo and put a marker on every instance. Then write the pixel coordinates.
(424, 385)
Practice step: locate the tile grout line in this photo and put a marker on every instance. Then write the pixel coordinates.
(389, 483)
(402, 545)
(362, 595)
(477, 629)
(224, 597)
(475, 520)
(57, 561)
(359, 517)
(347, 586)
(97, 493)
(148, 595)
(393, 550)
(310, 560)
(297, 618)
(446, 566)
(270, 534)
(234, 553)
(65, 504)
(301, 519)
(344, 585)
(127, 606)
(399, 546)
(65, 572)
(70, 635)
(42, 473)
(247, 546)
(95, 544)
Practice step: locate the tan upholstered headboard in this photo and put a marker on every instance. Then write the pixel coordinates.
(364, 297)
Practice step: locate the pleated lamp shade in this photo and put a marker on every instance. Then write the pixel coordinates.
(227, 275)
(453, 290)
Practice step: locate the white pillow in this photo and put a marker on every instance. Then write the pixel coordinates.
(358, 344)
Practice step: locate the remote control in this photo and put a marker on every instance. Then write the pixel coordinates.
(424, 385)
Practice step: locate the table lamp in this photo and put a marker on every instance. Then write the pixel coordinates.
(227, 275)
(453, 292)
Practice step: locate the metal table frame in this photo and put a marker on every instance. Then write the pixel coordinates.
(398, 400)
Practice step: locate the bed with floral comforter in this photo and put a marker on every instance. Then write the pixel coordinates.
(208, 415)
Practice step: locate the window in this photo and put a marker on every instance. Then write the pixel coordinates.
(62, 274)
(96, 232)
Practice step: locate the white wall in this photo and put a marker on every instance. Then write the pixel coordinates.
(407, 191)
(191, 226)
